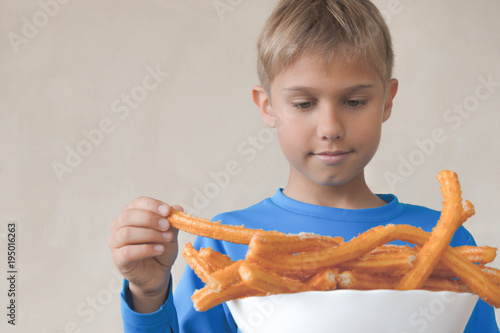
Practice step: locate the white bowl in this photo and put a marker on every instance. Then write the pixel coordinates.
(355, 311)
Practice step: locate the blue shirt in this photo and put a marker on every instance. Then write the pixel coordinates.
(290, 216)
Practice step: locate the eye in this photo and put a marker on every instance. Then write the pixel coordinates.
(355, 103)
(303, 105)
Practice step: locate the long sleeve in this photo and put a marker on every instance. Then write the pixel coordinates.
(162, 321)
(215, 320)
(177, 314)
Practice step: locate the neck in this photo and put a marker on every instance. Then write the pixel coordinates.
(355, 194)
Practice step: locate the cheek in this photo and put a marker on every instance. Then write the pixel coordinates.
(287, 139)
(369, 134)
(292, 136)
(287, 125)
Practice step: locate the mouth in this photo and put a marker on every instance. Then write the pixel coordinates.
(332, 157)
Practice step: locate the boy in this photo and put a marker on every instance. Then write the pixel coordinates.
(325, 69)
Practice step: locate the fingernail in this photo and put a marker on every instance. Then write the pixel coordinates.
(158, 248)
(163, 209)
(163, 223)
(167, 235)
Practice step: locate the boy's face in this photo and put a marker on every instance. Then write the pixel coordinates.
(328, 118)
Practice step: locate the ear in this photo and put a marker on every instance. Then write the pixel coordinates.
(392, 89)
(263, 101)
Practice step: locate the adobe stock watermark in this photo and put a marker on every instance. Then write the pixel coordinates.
(393, 7)
(420, 320)
(88, 309)
(94, 137)
(222, 7)
(454, 118)
(248, 149)
(30, 27)
(12, 272)
(263, 309)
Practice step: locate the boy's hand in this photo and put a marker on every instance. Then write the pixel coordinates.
(144, 248)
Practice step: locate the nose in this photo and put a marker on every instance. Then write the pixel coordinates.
(330, 124)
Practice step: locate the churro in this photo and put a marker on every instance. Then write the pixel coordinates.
(280, 263)
(215, 259)
(334, 256)
(264, 280)
(477, 254)
(205, 298)
(366, 281)
(441, 235)
(226, 277)
(382, 262)
(326, 279)
(200, 266)
(216, 230)
(304, 242)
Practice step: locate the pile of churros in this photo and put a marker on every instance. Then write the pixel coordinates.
(279, 263)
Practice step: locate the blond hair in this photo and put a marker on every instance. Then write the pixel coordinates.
(355, 29)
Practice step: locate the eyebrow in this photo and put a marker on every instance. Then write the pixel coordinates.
(345, 90)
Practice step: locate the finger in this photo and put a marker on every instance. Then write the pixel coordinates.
(132, 235)
(175, 230)
(130, 254)
(177, 207)
(149, 204)
(133, 217)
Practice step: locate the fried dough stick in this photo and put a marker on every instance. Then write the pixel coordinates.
(342, 253)
(480, 283)
(282, 243)
(201, 267)
(467, 211)
(324, 280)
(443, 272)
(215, 259)
(205, 298)
(225, 277)
(304, 242)
(274, 244)
(476, 254)
(382, 262)
(365, 281)
(440, 236)
(468, 272)
(268, 281)
(241, 280)
(334, 256)
(206, 228)
(234, 234)
(493, 273)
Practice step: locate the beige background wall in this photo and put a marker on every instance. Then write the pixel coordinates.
(103, 101)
